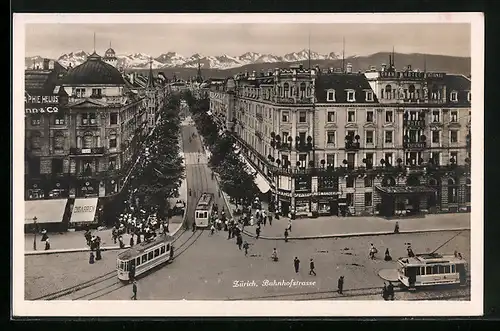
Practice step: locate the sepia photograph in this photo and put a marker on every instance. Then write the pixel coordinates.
(224, 165)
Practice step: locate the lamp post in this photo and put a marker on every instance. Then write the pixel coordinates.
(36, 230)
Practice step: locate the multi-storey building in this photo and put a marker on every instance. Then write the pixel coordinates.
(332, 142)
(85, 150)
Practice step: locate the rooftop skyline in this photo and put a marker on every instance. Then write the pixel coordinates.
(52, 40)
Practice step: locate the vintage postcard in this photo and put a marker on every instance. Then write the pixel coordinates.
(217, 165)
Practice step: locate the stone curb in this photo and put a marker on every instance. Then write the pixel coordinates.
(84, 249)
(359, 234)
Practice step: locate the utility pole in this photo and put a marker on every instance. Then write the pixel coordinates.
(343, 54)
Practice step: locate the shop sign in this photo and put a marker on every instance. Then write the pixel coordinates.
(40, 104)
(84, 209)
(303, 183)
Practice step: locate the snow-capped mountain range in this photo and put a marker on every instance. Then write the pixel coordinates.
(173, 59)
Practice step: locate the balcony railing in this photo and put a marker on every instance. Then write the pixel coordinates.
(415, 145)
(258, 134)
(414, 123)
(259, 117)
(352, 145)
(86, 151)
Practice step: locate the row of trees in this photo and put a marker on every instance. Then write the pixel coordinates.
(235, 179)
(160, 172)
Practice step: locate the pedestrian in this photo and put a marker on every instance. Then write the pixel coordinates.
(47, 244)
(286, 235)
(229, 233)
(132, 240)
(390, 291)
(387, 255)
(270, 218)
(396, 227)
(296, 264)
(120, 240)
(289, 226)
(91, 258)
(257, 232)
(385, 292)
(212, 229)
(311, 268)
(245, 247)
(194, 227)
(340, 285)
(134, 291)
(264, 217)
(239, 242)
(98, 255)
(138, 241)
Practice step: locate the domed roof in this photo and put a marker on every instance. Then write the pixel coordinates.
(93, 71)
(110, 53)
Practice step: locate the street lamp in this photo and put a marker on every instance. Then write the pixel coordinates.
(36, 229)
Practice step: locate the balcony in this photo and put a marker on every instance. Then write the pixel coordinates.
(352, 145)
(415, 145)
(259, 117)
(414, 123)
(258, 134)
(86, 151)
(285, 100)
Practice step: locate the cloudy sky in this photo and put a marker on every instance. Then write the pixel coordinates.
(52, 40)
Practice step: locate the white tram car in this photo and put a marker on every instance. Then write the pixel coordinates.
(144, 257)
(432, 270)
(204, 210)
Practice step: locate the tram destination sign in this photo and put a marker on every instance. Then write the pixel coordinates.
(40, 104)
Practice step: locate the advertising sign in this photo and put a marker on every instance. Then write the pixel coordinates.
(40, 104)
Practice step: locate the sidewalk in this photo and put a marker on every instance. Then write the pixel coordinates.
(333, 226)
(183, 194)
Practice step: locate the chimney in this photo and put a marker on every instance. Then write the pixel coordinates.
(349, 68)
(46, 64)
(384, 67)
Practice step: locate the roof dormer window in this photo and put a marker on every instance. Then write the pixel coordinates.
(330, 95)
(454, 96)
(369, 95)
(468, 96)
(351, 96)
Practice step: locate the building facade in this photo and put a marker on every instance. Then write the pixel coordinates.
(338, 143)
(87, 148)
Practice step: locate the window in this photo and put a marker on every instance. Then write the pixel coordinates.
(453, 136)
(454, 96)
(59, 119)
(88, 119)
(350, 160)
(330, 160)
(350, 181)
(286, 90)
(58, 140)
(428, 270)
(454, 156)
(34, 166)
(150, 255)
(157, 252)
(368, 199)
(349, 199)
(96, 93)
(138, 261)
(388, 137)
(388, 158)
(330, 116)
(369, 96)
(468, 97)
(351, 116)
(369, 116)
(454, 116)
(302, 117)
(162, 250)
(435, 116)
(435, 136)
(330, 137)
(436, 158)
(389, 116)
(35, 140)
(113, 118)
(369, 137)
(57, 166)
(302, 160)
(88, 140)
(112, 141)
(368, 182)
(302, 137)
(79, 92)
(285, 116)
(369, 158)
(144, 258)
(330, 95)
(36, 119)
(388, 92)
(350, 96)
(284, 137)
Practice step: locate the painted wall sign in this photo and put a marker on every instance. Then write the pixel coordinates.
(40, 104)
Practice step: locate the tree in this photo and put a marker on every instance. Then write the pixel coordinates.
(236, 180)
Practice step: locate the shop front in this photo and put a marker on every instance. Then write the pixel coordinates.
(35, 189)
(328, 205)
(403, 200)
(47, 214)
(87, 188)
(302, 206)
(58, 188)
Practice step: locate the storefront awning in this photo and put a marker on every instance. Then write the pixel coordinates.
(261, 183)
(405, 189)
(84, 210)
(45, 211)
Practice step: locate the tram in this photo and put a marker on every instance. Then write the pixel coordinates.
(432, 270)
(144, 257)
(204, 209)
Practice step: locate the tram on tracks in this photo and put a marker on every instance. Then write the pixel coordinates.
(432, 269)
(144, 257)
(204, 210)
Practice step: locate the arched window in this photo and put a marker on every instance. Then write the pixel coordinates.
(88, 140)
(412, 181)
(388, 91)
(35, 140)
(286, 90)
(302, 90)
(452, 191)
(411, 91)
(434, 198)
(388, 181)
(58, 140)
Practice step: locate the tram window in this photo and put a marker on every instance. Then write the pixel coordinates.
(435, 269)
(162, 250)
(168, 247)
(446, 269)
(121, 265)
(157, 252)
(126, 266)
(138, 261)
(150, 255)
(144, 258)
(428, 270)
(418, 272)
(453, 269)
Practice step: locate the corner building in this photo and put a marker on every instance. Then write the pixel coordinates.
(326, 142)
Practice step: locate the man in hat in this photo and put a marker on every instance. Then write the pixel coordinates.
(134, 290)
(340, 285)
(311, 268)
